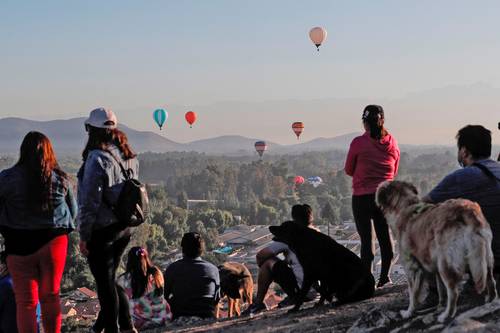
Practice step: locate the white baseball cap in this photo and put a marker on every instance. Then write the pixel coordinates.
(102, 118)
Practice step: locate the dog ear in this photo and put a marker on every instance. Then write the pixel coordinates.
(414, 189)
(381, 195)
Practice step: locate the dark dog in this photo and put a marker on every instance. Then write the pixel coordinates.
(339, 271)
(237, 284)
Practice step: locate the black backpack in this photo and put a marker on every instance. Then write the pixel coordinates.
(132, 206)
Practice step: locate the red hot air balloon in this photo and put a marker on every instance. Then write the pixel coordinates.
(299, 180)
(260, 147)
(190, 118)
(298, 128)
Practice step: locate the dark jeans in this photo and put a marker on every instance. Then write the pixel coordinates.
(104, 259)
(365, 211)
(283, 275)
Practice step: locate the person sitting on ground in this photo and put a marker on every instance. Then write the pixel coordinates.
(7, 300)
(192, 285)
(143, 283)
(478, 180)
(287, 273)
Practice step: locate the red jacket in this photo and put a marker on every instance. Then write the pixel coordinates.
(371, 162)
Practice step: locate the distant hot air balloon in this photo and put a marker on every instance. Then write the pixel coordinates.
(160, 116)
(260, 147)
(298, 128)
(299, 180)
(318, 36)
(190, 118)
(315, 181)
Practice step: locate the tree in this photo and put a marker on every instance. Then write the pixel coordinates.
(330, 214)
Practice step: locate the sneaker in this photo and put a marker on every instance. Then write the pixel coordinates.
(286, 302)
(254, 309)
(384, 282)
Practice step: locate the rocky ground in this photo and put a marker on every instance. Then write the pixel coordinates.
(379, 314)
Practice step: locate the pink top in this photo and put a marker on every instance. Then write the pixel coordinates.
(371, 162)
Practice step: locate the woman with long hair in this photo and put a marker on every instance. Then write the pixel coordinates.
(37, 212)
(372, 159)
(143, 283)
(103, 238)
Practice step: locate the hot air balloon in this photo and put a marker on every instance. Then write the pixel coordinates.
(160, 116)
(315, 181)
(190, 118)
(298, 128)
(318, 36)
(260, 147)
(299, 180)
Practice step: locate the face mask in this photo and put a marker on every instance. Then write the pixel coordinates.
(460, 158)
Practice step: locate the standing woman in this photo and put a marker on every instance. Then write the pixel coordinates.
(37, 213)
(372, 159)
(102, 238)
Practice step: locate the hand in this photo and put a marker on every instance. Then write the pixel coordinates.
(83, 248)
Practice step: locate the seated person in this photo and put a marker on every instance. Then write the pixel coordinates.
(192, 285)
(7, 300)
(143, 284)
(478, 180)
(288, 273)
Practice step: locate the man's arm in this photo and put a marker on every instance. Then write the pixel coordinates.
(167, 283)
(448, 188)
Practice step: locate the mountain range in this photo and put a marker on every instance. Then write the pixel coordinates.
(68, 137)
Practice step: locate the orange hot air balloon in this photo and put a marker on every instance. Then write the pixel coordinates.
(298, 128)
(318, 36)
(190, 118)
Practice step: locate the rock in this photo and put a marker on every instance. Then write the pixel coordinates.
(373, 321)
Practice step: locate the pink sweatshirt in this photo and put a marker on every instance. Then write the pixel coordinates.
(371, 162)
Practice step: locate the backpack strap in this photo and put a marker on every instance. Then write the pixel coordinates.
(486, 171)
(127, 173)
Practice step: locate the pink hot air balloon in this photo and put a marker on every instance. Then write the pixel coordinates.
(318, 36)
(299, 180)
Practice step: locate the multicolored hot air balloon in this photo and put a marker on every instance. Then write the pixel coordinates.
(191, 118)
(298, 128)
(160, 116)
(315, 181)
(299, 180)
(318, 36)
(260, 147)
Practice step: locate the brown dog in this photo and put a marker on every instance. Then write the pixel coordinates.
(446, 240)
(237, 284)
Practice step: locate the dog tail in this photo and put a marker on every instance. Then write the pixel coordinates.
(480, 257)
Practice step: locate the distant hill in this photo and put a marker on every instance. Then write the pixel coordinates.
(229, 144)
(69, 136)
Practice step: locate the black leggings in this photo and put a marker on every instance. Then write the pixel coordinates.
(104, 259)
(365, 211)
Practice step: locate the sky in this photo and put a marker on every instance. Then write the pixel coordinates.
(241, 65)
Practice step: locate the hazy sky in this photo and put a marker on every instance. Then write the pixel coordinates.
(63, 58)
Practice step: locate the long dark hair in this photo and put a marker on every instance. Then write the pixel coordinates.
(140, 268)
(373, 116)
(102, 138)
(37, 157)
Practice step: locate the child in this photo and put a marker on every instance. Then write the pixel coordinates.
(143, 284)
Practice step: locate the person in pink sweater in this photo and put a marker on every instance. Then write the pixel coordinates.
(372, 159)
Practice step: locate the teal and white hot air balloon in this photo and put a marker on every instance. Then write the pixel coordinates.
(160, 116)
